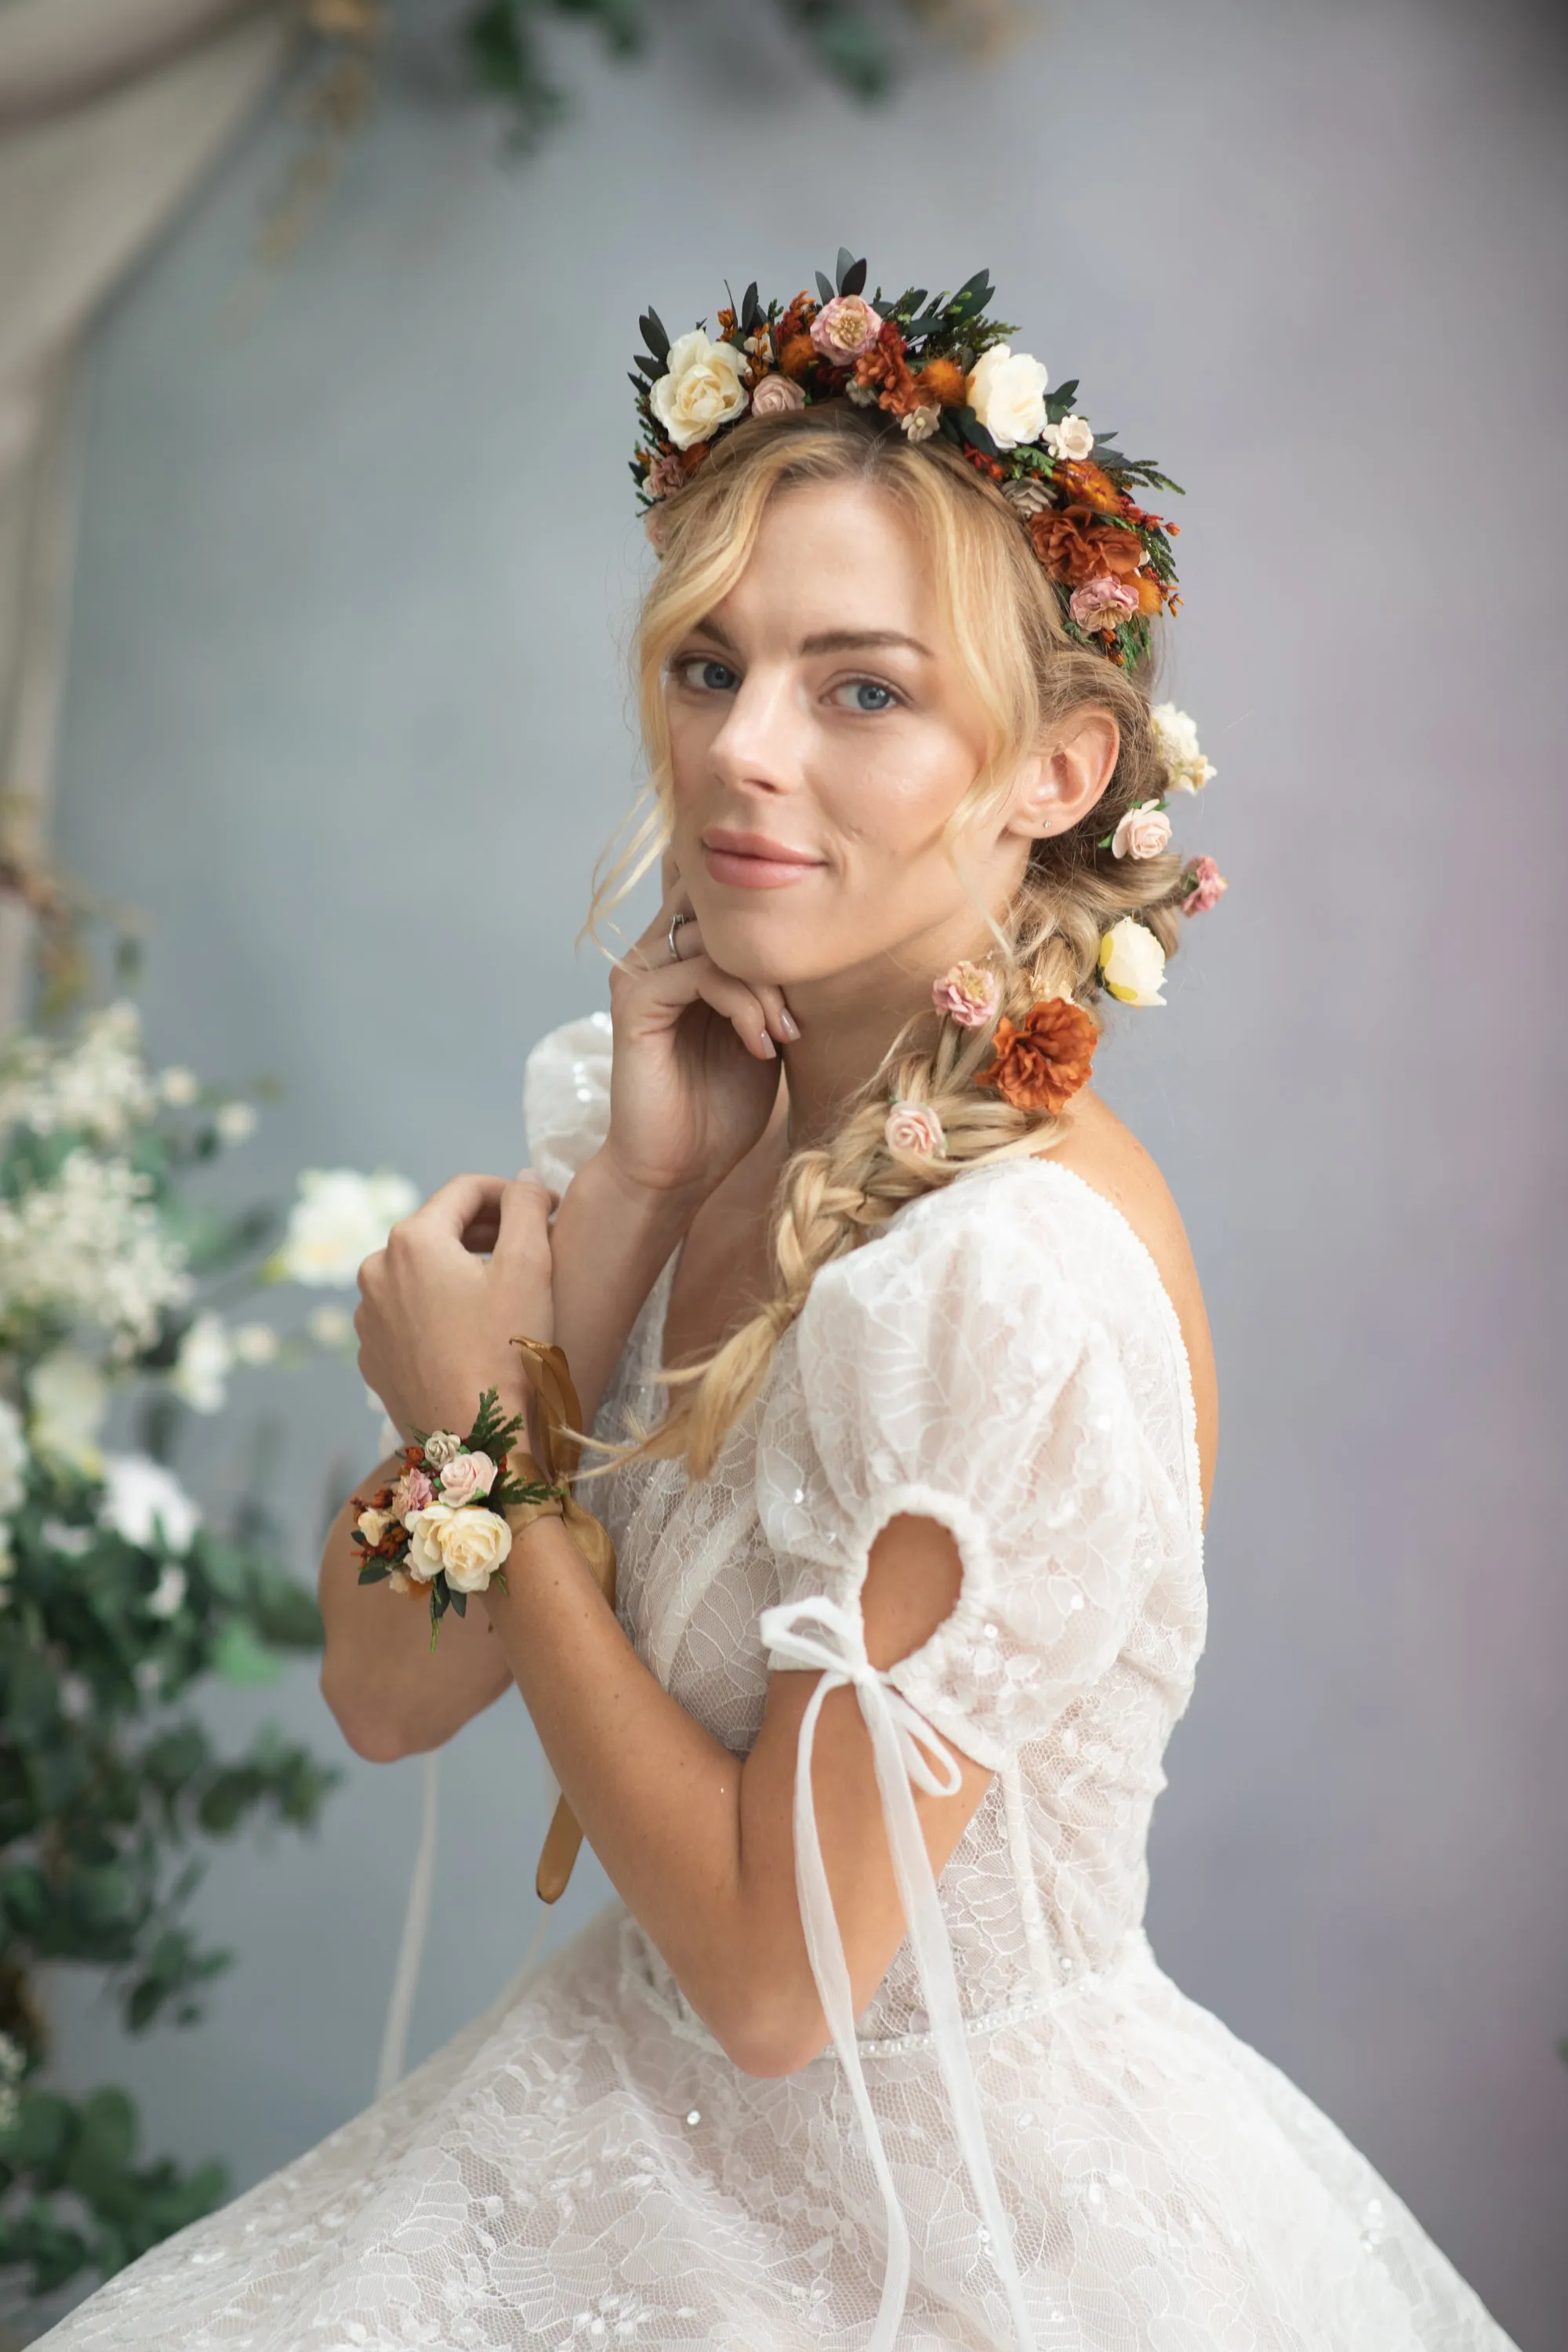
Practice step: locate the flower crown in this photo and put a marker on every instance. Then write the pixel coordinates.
(943, 369)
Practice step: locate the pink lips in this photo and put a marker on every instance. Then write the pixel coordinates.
(750, 861)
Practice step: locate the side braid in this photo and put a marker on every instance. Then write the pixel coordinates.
(835, 1196)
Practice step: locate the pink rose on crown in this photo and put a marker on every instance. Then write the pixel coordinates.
(1102, 602)
(845, 328)
(777, 395)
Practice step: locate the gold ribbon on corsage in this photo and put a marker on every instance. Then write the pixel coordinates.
(559, 1417)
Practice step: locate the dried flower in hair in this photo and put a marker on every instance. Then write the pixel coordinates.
(798, 356)
(968, 994)
(1041, 1065)
(1143, 832)
(1026, 497)
(915, 1128)
(1080, 484)
(920, 423)
(1206, 886)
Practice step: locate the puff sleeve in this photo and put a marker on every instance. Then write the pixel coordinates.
(566, 1098)
(957, 1369)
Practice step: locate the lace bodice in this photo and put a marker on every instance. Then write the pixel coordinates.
(1004, 1358)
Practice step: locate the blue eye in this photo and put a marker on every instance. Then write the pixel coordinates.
(706, 675)
(866, 696)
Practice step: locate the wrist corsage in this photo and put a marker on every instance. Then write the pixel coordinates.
(444, 1528)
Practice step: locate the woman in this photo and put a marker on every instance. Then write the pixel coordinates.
(873, 2051)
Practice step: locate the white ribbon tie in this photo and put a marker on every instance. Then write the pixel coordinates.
(819, 1636)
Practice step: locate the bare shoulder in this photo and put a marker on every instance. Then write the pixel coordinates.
(1107, 1156)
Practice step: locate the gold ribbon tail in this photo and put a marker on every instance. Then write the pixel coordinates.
(560, 1447)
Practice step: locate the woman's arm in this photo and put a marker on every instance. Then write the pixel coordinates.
(698, 1843)
(391, 1694)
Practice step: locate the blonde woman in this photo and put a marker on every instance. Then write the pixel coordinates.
(872, 2051)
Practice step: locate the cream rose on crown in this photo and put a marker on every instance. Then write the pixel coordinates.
(701, 390)
(1007, 392)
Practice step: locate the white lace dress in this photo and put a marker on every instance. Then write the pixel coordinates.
(1029, 2136)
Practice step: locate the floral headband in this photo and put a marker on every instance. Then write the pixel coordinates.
(943, 369)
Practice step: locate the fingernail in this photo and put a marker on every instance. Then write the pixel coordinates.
(788, 1022)
(769, 1049)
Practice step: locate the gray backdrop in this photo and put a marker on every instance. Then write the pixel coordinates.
(355, 583)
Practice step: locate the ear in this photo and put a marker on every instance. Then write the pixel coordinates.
(1062, 784)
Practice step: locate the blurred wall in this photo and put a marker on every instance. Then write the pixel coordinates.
(356, 583)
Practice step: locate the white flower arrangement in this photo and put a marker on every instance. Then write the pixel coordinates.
(338, 1220)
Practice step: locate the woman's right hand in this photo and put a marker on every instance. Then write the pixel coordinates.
(696, 1070)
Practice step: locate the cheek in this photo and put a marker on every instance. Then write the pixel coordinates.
(892, 796)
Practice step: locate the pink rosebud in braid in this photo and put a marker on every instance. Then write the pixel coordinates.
(915, 1128)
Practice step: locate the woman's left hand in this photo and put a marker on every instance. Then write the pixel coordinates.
(441, 1304)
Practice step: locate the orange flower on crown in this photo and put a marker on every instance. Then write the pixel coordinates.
(1041, 1065)
(1084, 484)
(1073, 549)
(798, 352)
(885, 369)
(943, 380)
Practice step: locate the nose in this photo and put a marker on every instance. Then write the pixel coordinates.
(762, 740)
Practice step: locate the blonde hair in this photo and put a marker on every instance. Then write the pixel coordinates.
(1006, 627)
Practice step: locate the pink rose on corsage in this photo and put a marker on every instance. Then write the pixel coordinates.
(777, 395)
(1103, 602)
(1208, 887)
(915, 1128)
(466, 1478)
(412, 1492)
(1143, 832)
(968, 994)
(845, 328)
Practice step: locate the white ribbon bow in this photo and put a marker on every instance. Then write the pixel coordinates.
(818, 1634)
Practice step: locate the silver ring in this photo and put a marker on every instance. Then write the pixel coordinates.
(676, 923)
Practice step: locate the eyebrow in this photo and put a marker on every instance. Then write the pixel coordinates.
(830, 641)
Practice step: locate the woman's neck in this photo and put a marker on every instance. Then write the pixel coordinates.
(845, 1033)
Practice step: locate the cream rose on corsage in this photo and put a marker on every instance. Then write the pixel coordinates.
(703, 389)
(1132, 963)
(1007, 392)
(464, 1544)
